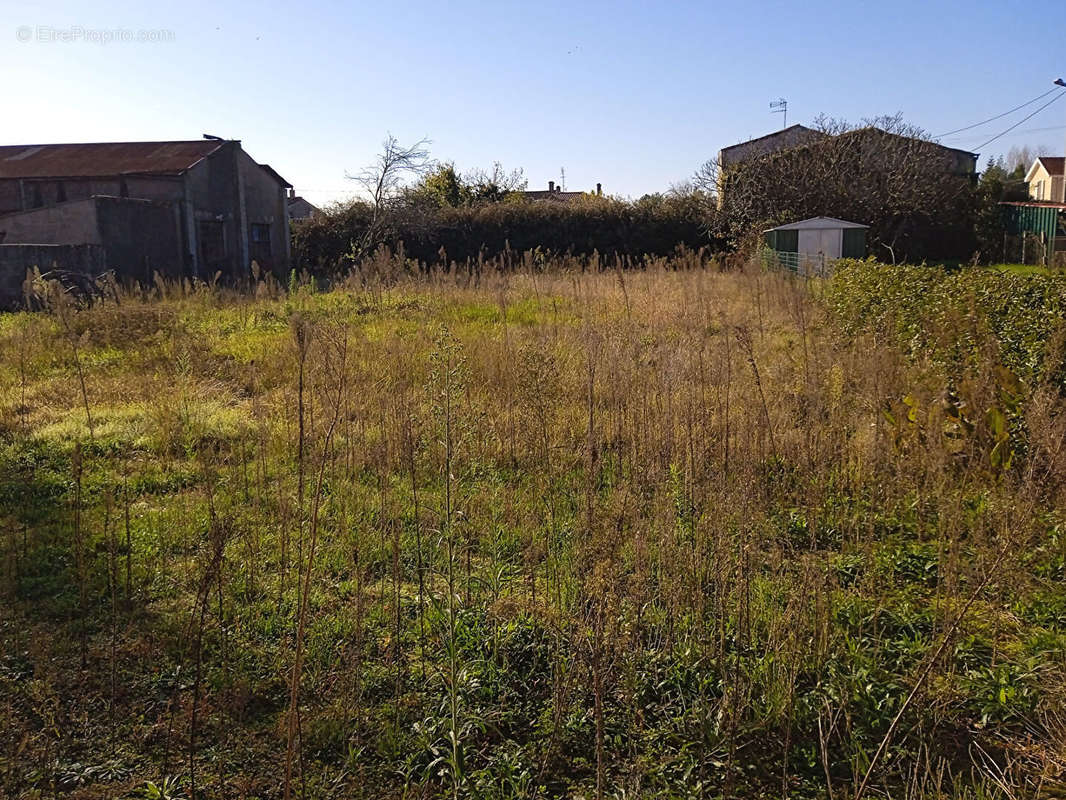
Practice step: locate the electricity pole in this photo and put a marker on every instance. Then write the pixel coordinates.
(1062, 83)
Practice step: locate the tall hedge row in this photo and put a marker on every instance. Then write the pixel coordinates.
(653, 225)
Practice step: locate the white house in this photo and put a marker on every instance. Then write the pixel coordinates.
(1045, 179)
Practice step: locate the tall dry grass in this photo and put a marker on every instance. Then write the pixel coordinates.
(663, 532)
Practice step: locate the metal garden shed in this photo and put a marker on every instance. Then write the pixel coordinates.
(827, 237)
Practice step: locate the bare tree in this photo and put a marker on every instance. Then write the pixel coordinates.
(1020, 158)
(495, 184)
(384, 181)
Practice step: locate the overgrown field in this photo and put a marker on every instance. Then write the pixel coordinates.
(646, 534)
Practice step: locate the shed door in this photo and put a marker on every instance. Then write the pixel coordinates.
(824, 241)
(830, 242)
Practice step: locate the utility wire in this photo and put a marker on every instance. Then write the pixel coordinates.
(973, 138)
(998, 116)
(1019, 122)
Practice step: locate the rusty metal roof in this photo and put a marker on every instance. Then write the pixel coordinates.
(102, 158)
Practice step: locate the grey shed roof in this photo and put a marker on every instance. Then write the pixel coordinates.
(815, 223)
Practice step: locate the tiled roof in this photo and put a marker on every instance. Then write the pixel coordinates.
(1053, 164)
(544, 194)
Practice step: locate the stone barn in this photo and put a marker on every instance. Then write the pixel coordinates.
(180, 208)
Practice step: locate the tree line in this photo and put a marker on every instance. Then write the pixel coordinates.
(436, 214)
(921, 201)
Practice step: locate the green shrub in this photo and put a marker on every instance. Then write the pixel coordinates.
(954, 317)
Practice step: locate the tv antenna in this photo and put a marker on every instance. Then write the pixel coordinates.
(780, 106)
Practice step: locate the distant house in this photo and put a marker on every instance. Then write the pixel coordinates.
(1046, 181)
(180, 208)
(1041, 221)
(299, 208)
(556, 194)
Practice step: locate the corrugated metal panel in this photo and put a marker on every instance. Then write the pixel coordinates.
(819, 241)
(1032, 219)
(1041, 220)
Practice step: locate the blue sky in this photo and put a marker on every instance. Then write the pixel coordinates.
(633, 95)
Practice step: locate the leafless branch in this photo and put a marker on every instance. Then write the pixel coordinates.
(384, 181)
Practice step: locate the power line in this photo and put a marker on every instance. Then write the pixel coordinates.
(1019, 122)
(1027, 130)
(998, 116)
(1041, 130)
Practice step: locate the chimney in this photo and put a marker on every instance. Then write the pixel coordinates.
(551, 186)
(292, 193)
(599, 189)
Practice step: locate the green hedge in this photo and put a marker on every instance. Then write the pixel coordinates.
(653, 225)
(953, 317)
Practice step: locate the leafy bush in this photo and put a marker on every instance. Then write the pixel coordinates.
(954, 317)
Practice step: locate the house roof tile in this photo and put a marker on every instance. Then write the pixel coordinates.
(544, 194)
(1055, 165)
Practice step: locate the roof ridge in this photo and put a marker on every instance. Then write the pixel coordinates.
(101, 159)
(774, 133)
(135, 141)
